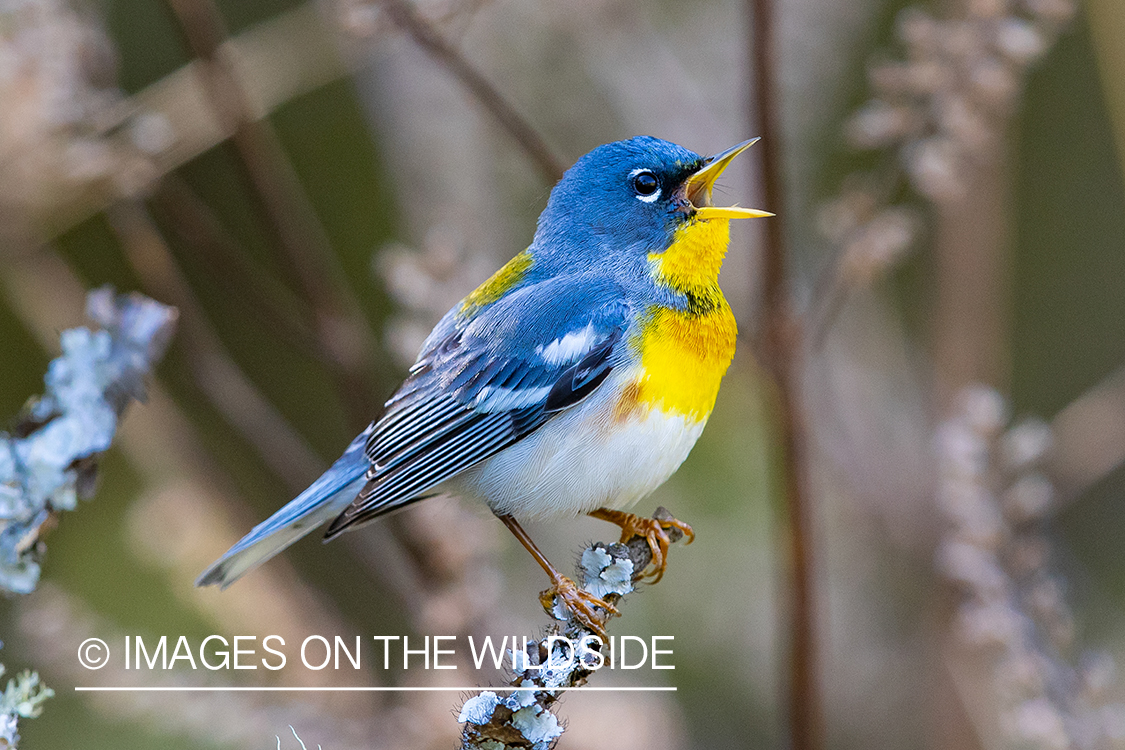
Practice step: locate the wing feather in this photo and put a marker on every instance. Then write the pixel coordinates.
(432, 462)
(475, 391)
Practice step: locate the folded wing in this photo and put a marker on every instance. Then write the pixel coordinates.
(468, 399)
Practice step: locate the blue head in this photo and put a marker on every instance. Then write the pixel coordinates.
(625, 200)
(620, 196)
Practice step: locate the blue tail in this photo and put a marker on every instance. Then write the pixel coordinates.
(324, 499)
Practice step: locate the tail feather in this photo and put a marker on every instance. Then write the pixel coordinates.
(324, 499)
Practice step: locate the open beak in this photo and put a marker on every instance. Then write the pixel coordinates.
(698, 187)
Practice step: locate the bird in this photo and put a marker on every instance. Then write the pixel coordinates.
(575, 380)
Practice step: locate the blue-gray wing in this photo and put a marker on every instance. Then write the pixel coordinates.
(486, 385)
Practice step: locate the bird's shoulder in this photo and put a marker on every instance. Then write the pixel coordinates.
(552, 320)
(510, 353)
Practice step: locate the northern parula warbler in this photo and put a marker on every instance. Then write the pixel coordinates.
(575, 380)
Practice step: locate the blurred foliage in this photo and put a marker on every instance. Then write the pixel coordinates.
(335, 155)
(1069, 310)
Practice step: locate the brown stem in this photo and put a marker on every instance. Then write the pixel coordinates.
(971, 266)
(403, 14)
(287, 213)
(192, 222)
(804, 701)
(780, 347)
(1089, 438)
(307, 253)
(220, 378)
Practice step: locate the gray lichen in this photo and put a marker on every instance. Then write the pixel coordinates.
(48, 461)
(606, 574)
(22, 699)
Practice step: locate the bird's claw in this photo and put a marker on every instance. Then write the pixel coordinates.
(582, 605)
(653, 530)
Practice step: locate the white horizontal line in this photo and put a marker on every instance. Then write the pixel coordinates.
(374, 689)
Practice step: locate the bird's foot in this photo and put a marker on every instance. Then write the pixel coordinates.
(654, 530)
(582, 605)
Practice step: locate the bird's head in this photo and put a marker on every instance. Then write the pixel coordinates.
(630, 199)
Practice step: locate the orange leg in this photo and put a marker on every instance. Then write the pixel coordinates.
(580, 603)
(652, 529)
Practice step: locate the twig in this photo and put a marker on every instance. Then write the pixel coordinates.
(403, 14)
(51, 459)
(22, 699)
(341, 327)
(340, 324)
(522, 720)
(972, 257)
(163, 446)
(1089, 438)
(863, 253)
(227, 387)
(780, 346)
(192, 222)
(290, 217)
(277, 61)
(274, 186)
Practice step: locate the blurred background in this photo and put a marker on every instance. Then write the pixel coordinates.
(313, 184)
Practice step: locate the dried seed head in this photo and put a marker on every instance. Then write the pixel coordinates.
(990, 626)
(1038, 723)
(918, 30)
(878, 124)
(1025, 445)
(1021, 41)
(985, 409)
(993, 84)
(1028, 499)
(935, 168)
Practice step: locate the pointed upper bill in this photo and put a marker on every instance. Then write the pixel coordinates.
(698, 187)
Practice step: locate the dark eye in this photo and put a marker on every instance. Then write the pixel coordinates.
(646, 186)
(645, 183)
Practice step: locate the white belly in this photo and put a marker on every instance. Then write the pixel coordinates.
(583, 459)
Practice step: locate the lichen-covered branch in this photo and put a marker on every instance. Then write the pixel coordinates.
(49, 459)
(22, 699)
(522, 720)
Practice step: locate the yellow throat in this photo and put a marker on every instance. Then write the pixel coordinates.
(685, 353)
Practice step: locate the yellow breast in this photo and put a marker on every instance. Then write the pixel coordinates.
(685, 353)
(683, 360)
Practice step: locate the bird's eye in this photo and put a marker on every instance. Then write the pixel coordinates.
(646, 186)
